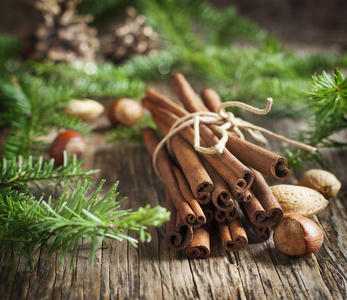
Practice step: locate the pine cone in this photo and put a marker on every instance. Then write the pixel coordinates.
(129, 38)
(64, 35)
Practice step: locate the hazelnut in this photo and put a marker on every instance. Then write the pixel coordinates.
(84, 110)
(71, 142)
(296, 235)
(125, 111)
(322, 181)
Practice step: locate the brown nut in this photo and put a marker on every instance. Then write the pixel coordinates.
(70, 141)
(84, 110)
(125, 111)
(296, 235)
(322, 181)
(300, 200)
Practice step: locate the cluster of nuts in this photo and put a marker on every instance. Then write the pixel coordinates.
(124, 111)
(296, 234)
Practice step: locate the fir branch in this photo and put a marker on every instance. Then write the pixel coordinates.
(133, 135)
(13, 99)
(328, 102)
(9, 46)
(328, 99)
(222, 26)
(19, 173)
(31, 107)
(19, 138)
(105, 11)
(175, 28)
(17, 213)
(99, 8)
(27, 223)
(90, 80)
(329, 95)
(152, 67)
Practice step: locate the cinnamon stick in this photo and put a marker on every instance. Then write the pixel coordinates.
(233, 235)
(263, 209)
(199, 180)
(254, 210)
(186, 94)
(262, 191)
(189, 197)
(192, 104)
(220, 195)
(222, 216)
(259, 158)
(263, 231)
(208, 210)
(164, 165)
(242, 197)
(199, 247)
(211, 99)
(232, 214)
(197, 176)
(178, 234)
(238, 176)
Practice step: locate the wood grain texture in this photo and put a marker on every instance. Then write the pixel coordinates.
(153, 271)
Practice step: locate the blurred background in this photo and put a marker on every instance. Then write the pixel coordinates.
(309, 21)
(315, 22)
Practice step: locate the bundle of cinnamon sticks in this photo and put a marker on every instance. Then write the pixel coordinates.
(204, 189)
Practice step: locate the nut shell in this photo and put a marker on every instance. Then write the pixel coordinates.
(299, 200)
(125, 111)
(71, 142)
(322, 181)
(85, 110)
(297, 236)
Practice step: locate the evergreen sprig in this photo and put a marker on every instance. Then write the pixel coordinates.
(130, 134)
(9, 47)
(328, 102)
(20, 174)
(329, 95)
(28, 223)
(31, 107)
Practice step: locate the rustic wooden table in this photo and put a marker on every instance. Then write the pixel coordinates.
(153, 271)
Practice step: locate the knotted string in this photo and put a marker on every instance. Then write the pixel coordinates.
(225, 120)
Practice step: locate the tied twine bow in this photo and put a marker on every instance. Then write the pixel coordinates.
(225, 120)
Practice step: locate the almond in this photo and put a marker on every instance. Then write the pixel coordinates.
(322, 181)
(86, 109)
(300, 200)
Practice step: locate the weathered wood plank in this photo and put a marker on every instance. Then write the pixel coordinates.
(43, 277)
(17, 288)
(65, 277)
(270, 279)
(153, 271)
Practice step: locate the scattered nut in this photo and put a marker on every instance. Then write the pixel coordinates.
(125, 111)
(322, 181)
(86, 109)
(71, 141)
(300, 200)
(296, 235)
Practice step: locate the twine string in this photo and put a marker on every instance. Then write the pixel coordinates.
(225, 120)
